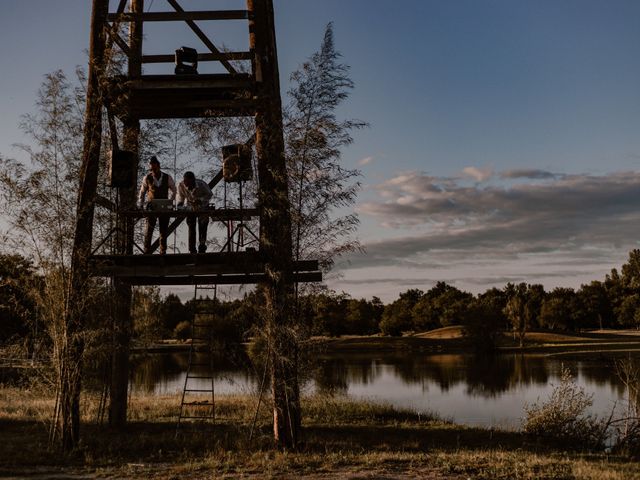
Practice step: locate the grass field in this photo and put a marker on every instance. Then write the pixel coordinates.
(342, 439)
(452, 339)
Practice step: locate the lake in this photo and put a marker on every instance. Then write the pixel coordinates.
(485, 390)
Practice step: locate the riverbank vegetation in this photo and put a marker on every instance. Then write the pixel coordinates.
(516, 309)
(340, 437)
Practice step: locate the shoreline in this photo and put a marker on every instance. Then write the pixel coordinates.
(451, 340)
(341, 438)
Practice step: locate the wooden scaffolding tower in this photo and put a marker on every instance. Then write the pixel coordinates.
(133, 96)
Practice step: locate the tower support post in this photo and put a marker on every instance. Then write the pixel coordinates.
(123, 321)
(275, 227)
(78, 294)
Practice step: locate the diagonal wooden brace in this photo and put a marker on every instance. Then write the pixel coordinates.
(201, 35)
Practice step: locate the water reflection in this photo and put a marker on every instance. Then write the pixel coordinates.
(486, 389)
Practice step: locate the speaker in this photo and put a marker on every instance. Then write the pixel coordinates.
(186, 61)
(122, 171)
(236, 163)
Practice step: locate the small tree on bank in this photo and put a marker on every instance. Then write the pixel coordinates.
(39, 203)
(318, 183)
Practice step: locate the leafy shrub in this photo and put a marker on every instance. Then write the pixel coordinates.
(182, 330)
(563, 416)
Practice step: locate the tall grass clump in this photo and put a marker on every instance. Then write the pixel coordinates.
(563, 416)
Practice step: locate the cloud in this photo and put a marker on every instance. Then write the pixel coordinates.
(532, 174)
(365, 161)
(578, 218)
(478, 174)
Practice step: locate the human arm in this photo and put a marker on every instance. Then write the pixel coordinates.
(143, 192)
(172, 187)
(204, 193)
(182, 194)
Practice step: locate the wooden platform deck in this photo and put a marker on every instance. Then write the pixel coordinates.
(183, 96)
(216, 215)
(223, 268)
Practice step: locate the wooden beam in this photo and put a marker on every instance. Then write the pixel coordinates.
(121, 7)
(118, 40)
(105, 203)
(217, 215)
(180, 16)
(247, 261)
(275, 228)
(234, 279)
(201, 35)
(202, 57)
(190, 82)
(76, 318)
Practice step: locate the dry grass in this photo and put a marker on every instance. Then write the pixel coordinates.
(443, 333)
(342, 438)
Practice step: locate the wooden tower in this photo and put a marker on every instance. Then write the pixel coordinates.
(135, 96)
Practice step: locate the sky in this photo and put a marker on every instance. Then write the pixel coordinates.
(503, 143)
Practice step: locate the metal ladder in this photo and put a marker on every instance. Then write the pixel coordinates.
(194, 409)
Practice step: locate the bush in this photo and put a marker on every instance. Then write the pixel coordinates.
(563, 416)
(182, 330)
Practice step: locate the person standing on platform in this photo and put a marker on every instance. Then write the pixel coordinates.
(157, 185)
(196, 193)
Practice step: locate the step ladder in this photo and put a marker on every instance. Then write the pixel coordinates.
(197, 406)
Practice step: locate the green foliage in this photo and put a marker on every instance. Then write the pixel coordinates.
(523, 307)
(631, 271)
(318, 184)
(561, 310)
(17, 308)
(362, 317)
(330, 311)
(596, 305)
(396, 318)
(182, 330)
(564, 416)
(482, 321)
(172, 312)
(628, 310)
(146, 313)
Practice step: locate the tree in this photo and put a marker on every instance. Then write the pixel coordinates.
(628, 312)
(362, 318)
(147, 313)
(330, 314)
(523, 307)
(441, 306)
(496, 300)
(615, 291)
(397, 316)
(482, 323)
(318, 183)
(172, 312)
(631, 271)
(39, 196)
(596, 304)
(17, 310)
(40, 206)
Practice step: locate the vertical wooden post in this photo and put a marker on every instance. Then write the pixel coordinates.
(75, 311)
(275, 226)
(123, 324)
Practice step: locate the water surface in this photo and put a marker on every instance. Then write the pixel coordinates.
(489, 390)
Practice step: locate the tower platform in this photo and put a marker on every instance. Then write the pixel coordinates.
(183, 96)
(223, 268)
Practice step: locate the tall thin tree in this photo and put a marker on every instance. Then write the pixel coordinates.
(319, 184)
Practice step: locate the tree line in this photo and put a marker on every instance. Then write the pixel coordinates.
(611, 303)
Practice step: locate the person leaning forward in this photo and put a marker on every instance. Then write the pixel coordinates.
(157, 185)
(196, 193)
